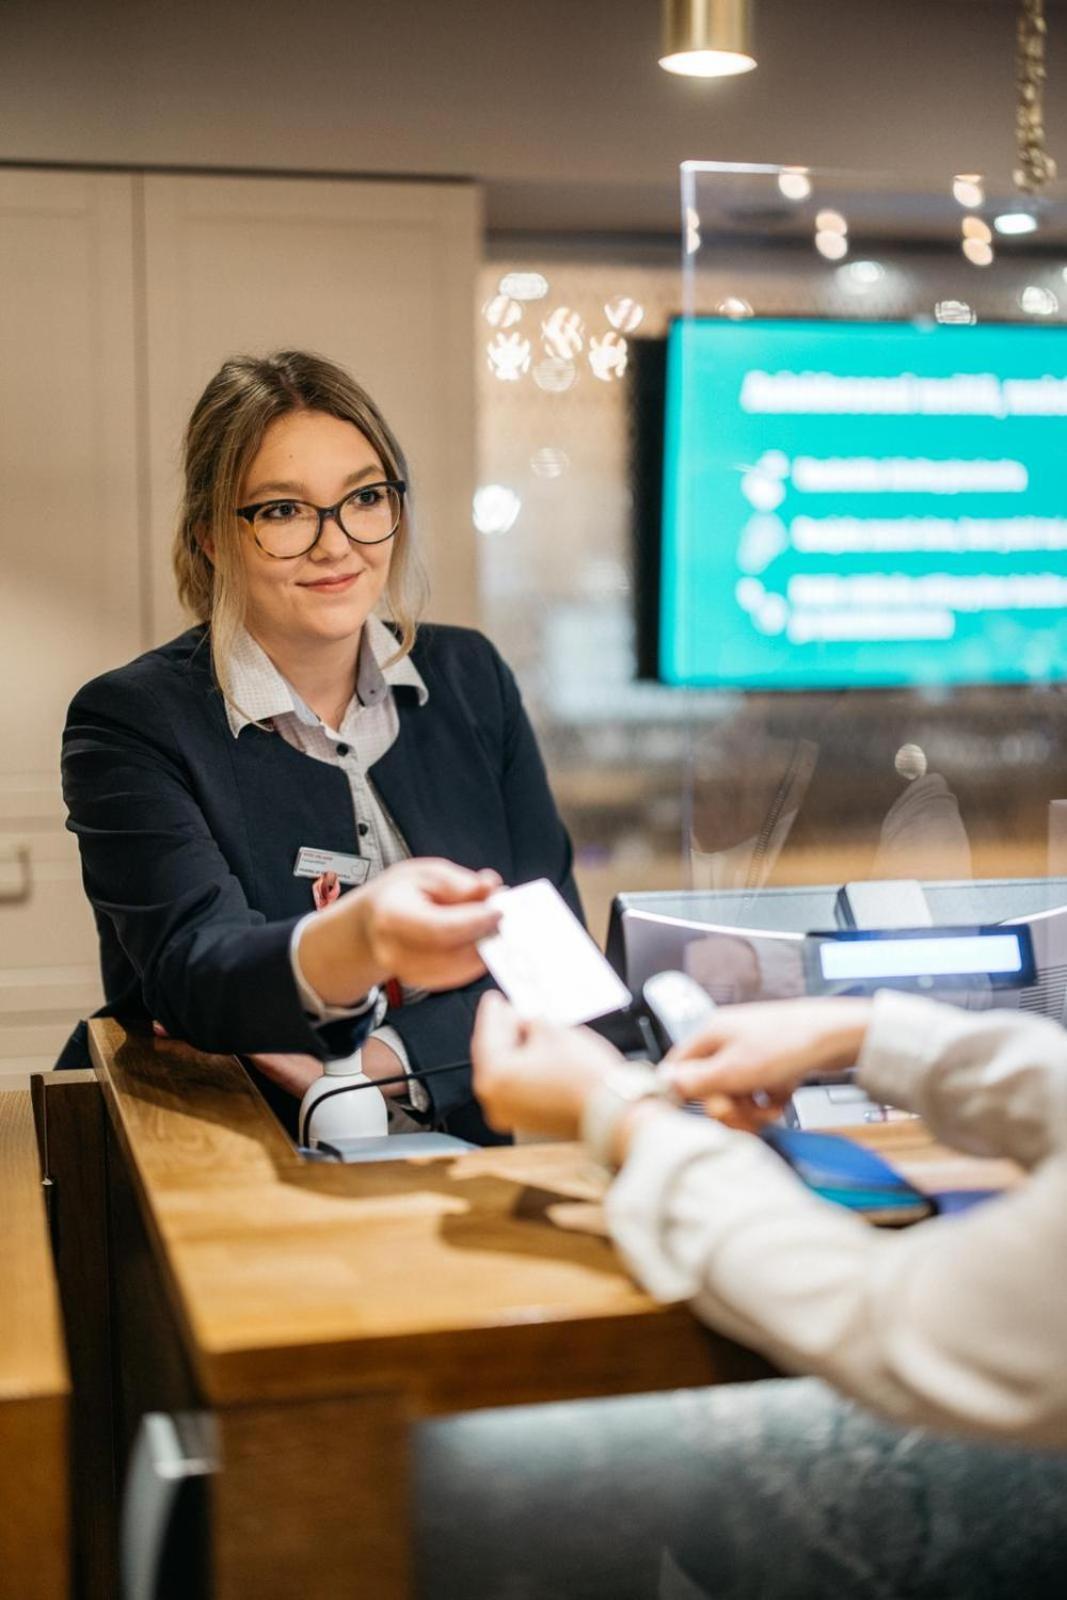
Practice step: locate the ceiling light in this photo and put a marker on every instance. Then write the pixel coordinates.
(831, 245)
(707, 38)
(954, 312)
(496, 508)
(967, 189)
(830, 222)
(1010, 222)
(863, 274)
(733, 307)
(1038, 301)
(978, 253)
(524, 285)
(975, 228)
(794, 183)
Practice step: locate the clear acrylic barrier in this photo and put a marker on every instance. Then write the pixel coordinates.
(864, 579)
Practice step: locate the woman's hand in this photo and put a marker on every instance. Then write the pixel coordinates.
(419, 921)
(532, 1075)
(422, 919)
(767, 1049)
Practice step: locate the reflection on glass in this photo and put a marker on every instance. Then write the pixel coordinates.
(496, 508)
(910, 761)
(734, 970)
(833, 246)
(549, 462)
(794, 183)
(562, 332)
(508, 355)
(779, 786)
(955, 312)
(975, 228)
(624, 313)
(524, 285)
(734, 307)
(1037, 301)
(968, 190)
(555, 375)
(978, 253)
(1014, 223)
(501, 312)
(608, 356)
(860, 277)
(616, 747)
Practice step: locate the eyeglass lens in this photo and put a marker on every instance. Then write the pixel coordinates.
(289, 527)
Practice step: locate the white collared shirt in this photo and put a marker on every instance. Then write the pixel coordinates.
(258, 693)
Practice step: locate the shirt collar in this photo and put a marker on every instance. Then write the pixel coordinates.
(258, 691)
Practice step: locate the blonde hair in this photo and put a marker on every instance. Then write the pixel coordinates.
(225, 431)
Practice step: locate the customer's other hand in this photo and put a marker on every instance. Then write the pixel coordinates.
(768, 1049)
(532, 1075)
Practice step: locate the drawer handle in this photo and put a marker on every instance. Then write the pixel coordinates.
(23, 890)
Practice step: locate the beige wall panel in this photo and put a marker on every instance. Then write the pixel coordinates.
(378, 276)
(70, 603)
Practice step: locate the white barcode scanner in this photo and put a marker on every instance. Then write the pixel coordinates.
(675, 1006)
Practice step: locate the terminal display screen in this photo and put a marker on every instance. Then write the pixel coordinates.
(863, 505)
(920, 958)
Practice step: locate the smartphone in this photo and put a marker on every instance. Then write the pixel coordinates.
(851, 1176)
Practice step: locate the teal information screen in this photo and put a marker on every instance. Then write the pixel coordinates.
(864, 505)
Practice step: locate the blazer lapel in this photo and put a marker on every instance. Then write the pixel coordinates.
(440, 788)
(289, 800)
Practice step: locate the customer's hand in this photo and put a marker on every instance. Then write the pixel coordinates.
(532, 1075)
(767, 1049)
(419, 921)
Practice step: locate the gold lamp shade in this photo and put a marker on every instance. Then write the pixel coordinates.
(707, 38)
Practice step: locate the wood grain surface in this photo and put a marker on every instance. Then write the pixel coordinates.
(34, 1559)
(322, 1309)
(458, 1281)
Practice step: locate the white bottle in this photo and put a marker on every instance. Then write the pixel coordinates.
(342, 1104)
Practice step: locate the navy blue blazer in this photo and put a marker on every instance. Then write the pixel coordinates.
(188, 839)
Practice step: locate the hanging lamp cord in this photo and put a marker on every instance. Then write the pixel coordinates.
(1036, 167)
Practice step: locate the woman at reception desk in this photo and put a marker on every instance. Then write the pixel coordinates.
(228, 788)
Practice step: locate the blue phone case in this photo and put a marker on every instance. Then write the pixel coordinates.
(848, 1174)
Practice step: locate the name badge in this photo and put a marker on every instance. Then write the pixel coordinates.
(313, 863)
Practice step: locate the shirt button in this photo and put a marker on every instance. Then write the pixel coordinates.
(343, 749)
(364, 829)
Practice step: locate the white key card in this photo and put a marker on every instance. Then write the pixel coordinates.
(544, 960)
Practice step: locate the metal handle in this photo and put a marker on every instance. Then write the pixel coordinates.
(166, 1451)
(18, 896)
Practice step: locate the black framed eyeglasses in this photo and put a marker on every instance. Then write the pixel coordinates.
(288, 528)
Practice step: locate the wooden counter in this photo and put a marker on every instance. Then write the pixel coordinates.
(318, 1310)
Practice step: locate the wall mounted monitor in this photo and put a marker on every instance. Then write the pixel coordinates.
(863, 505)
